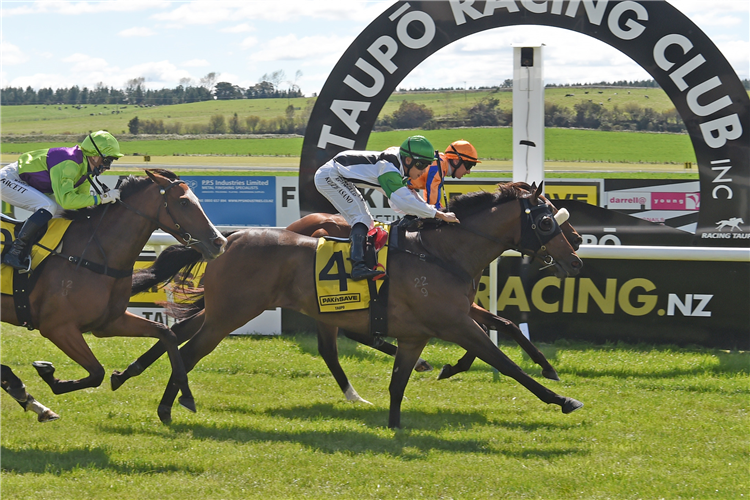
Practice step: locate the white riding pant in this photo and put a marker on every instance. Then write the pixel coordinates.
(19, 194)
(343, 195)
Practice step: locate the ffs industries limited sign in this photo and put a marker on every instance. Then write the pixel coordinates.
(236, 200)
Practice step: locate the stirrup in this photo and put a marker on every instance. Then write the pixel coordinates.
(362, 272)
(21, 270)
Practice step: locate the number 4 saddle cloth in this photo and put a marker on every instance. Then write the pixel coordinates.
(40, 250)
(333, 284)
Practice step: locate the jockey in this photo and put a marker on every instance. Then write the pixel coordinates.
(387, 171)
(50, 181)
(457, 161)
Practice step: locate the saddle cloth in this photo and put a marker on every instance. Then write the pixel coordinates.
(335, 290)
(51, 239)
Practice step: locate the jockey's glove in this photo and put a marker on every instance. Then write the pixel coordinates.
(111, 196)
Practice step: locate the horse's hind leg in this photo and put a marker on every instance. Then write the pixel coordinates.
(384, 347)
(17, 390)
(328, 350)
(183, 330)
(477, 343)
(502, 325)
(69, 340)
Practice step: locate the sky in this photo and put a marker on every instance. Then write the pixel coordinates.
(58, 44)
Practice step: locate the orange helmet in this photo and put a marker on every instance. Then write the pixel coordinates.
(463, 150)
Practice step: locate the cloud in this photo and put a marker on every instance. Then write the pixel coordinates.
(240, 28)
(136, 32)
(249, 42)
(289, 47)
(78, 8)
(195, 63)
(11, 54)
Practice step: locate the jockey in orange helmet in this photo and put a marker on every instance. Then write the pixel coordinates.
(457, 161)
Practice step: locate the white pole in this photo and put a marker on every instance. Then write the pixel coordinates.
(528, 114)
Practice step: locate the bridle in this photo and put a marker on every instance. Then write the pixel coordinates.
(178, 232)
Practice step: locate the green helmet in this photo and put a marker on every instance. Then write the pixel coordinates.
(419, 148)
(101, 143)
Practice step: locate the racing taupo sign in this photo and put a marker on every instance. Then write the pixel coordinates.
(697, 78)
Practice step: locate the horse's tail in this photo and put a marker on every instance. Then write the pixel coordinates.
(166, 266)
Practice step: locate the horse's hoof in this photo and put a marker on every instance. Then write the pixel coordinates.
(48, 416)
(115, 380)
(188, 403)
(165, 414)
(423, 366)
(43, 368)
(445, 372)
(570, 405)
(551, 374)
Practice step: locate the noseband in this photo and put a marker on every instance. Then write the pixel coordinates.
(178, 232)
(538, 228)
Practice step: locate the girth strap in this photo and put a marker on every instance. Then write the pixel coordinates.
(92, 266)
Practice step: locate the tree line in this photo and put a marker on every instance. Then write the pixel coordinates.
(136, 93)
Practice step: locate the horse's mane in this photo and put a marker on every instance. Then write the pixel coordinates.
(129, 186)
(471, 203)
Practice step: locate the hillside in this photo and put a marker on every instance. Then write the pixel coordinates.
(76, 120)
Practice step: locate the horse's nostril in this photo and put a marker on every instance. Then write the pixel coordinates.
(576, 263)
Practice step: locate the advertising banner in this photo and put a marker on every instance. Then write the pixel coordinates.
(650, 301)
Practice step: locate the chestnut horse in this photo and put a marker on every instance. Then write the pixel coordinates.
(267, 268)
(87, 288)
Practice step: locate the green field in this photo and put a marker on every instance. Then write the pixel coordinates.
(491, 143)
(658, 423)
(20, 120)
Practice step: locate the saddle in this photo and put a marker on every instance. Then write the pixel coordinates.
(20, 285)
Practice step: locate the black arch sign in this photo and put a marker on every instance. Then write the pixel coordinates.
(697, 78)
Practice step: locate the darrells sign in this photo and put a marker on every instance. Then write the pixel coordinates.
(697, 78)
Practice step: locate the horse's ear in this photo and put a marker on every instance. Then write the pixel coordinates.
(538, 191)
(155, 177)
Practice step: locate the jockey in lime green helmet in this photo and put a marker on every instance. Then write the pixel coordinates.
(419, 151)
(47, 182)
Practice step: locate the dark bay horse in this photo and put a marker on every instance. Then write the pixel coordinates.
(319, 225)
(17, 390)
(87, 288)
(267, 268)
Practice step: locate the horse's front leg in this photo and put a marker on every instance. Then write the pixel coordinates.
(68, 338)
(406, 356)
(471, 337)
(328, 350)
(184, 330)
(130, 325)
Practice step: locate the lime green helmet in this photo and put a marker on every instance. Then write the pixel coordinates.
(101, 143)
(420, 149)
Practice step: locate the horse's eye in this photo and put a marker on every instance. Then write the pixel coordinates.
(183, 203)
(545, 224)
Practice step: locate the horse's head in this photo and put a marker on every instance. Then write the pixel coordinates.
(183, 217)
(542, 236)
(562, 218)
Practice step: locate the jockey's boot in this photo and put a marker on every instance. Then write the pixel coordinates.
(360, 271)
(18, 255)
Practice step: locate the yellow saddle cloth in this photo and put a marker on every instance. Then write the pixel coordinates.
(336, 291)
(55, 230)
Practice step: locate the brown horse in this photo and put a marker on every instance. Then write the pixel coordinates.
(17, 390)
(88, 287)
(430, 297)
(319, 225)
